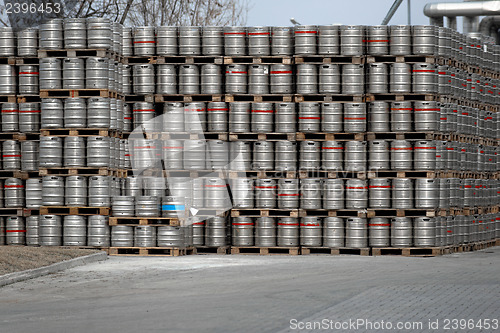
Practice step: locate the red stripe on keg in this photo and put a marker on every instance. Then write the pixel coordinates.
(402, 109)
(144, 110)
(265, 186)
(243, 223)
(402, 148)
(455, 111)
(453, 75)
(199, 223)
(379, 224)
(491, 92)
(376, 40)
(465, 113)
(443, 118)
(145, 147)
(373, 186)
(464, 85)
(473, 87)
(258, 33)
(263, 111)
(236, 72)
(469, 80)
(309, 117)
(194, 110)
(306, 32)
(438, 156)
(449, 231)
(145, 42)
(354, 118)
(425, 147)
(488, 118)
(423, 71)
(9, 111)
(281, 72)
(449, 148)
(30, 111)
(15, 230)
(332, 148)
(11, 155)
(172, 147)
(235, 33)
(357, 188)
(219, 109)
(478, 81)
(127, 117)
(310, 224)
(215, 185)
(13, 186)
(479, 186)
(127, 154)
(427, 109)
(441, 73)
(288, 223)
(288, 195)
(28, 73)
(468, 186)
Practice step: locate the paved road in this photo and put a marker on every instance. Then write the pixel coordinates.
(256, 294)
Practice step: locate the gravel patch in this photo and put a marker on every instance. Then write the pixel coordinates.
(20, 258)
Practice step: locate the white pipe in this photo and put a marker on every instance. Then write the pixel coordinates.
(475, 8)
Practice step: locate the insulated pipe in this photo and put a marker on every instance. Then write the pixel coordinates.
(470, 10)
(489, 26)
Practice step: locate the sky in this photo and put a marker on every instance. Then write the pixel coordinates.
(322, 12)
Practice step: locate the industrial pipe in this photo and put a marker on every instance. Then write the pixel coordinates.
(469, 10)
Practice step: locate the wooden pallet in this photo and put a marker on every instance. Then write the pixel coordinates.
(8, 60)
(189, 60)
(80, 171)
(256, 212)
(370, 136)
(320, 98)
(27, 61)
(134, 221)
(28, 99)
(79, 53)
(332, 174)
(329, 59)
(497, 242)
(402, 174)
(151, 251)
(332, 213)
(402, 97)
(262, 136)
(221, 250)
(19, 136)
(256, 250)
(66, 210)
(285, 60)
(73, 93)
(139, 98)
(159, 98)
(18, 212)
(271, 98)
(262, 174)
(330, 136)
(8, 99)
(18, 174)
(365, 251)
(411, 251)
(401, 59)
(79, 132)
(387, 212)
(188, 136)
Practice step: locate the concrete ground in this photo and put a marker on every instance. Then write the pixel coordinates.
(259, 294)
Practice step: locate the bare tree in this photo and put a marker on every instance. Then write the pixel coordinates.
(157, 12)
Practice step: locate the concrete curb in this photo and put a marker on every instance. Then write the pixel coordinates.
(57, 267)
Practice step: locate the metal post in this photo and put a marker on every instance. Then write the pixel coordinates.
(409, 12)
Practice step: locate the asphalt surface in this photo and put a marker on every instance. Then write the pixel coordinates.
(259, 294)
